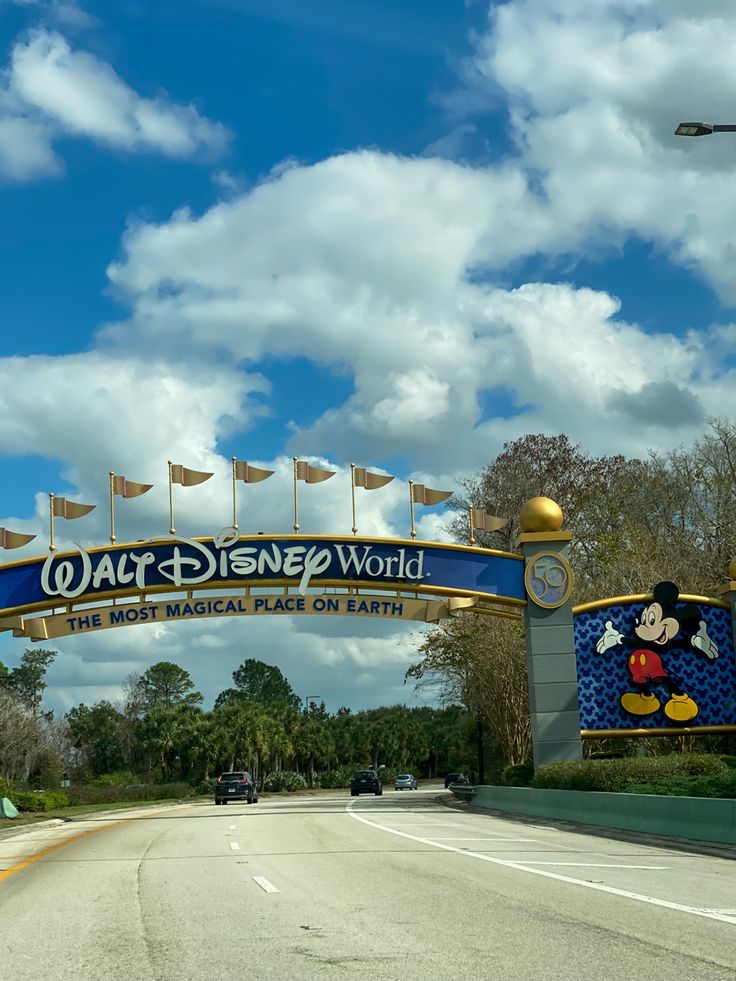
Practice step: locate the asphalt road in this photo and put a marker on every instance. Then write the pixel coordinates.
(395, 888)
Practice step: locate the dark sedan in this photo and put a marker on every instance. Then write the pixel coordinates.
(455, 778)
(366, 782)
(236, 785)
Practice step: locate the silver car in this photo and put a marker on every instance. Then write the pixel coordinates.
(405, 781)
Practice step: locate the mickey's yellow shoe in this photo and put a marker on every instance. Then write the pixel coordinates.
(639, 704)
(681, 708)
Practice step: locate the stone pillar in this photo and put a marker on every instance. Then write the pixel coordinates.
(550, 646)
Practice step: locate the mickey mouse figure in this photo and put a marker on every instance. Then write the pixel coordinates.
(656, 632)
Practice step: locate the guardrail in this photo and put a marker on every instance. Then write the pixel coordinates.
(463, 791)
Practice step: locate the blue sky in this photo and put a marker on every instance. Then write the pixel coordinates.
(396, 234)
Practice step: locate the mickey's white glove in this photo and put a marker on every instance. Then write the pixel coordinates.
(702, 641)
(610, 638)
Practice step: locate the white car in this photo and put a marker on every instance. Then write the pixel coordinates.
(405, 781)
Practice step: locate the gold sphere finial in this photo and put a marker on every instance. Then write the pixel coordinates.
(732, 569)
(541, 514)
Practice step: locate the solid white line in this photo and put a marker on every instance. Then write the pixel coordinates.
(593, 865)
(598, 887)
(437, 838)
(235, 846)
(265, 885)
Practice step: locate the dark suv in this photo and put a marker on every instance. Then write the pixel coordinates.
(455, 778)
(366, 782)
(236, 785)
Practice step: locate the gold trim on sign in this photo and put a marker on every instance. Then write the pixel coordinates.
(660, 731)
(647, 598)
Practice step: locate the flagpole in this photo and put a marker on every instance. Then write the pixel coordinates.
(235, 499)
(411, 505)
(52, 546)
(471, 514)
(112, 507)
(352, 491)
(296, 501)
(172, 529)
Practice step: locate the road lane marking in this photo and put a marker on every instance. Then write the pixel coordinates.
(595, 865)
(231, 827)
(235, 846)
(437, 838)
(520, 867)
(265, 885)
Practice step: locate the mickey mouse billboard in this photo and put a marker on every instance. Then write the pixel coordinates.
(664, 662)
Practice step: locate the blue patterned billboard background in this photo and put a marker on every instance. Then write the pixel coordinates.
(603, 678)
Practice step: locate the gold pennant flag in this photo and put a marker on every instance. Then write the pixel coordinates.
(187, 478)
(371, 481)
(13, 539)
(248, 474)
(70, 509)
(488, 522)
(425, 495)
(312, 475)
(128, 488)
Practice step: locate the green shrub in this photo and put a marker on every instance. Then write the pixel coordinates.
(712, 785)
(30, 800)
(113, 794)
(730, 761)
(338, 778)
(520, 775)
(614, 775)
(122, 778)
(4, 788)
(284, 780)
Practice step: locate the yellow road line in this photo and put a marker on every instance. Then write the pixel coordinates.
(19, 866)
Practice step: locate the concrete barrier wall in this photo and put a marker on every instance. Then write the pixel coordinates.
(698, 818)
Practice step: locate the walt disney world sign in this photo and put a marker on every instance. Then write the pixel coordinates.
(143, 582)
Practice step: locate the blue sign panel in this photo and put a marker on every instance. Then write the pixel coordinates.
(662, 663)
(182, 563)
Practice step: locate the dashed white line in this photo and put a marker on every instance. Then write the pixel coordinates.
(231, 827)
(235, 846)
(520, 867)
(265, 885)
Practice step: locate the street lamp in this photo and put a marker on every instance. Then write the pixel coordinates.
(310, 698)
(703, 129)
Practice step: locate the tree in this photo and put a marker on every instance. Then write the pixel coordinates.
(95, 731)
(165, 683)
(22, 737)
(264, 683)
(27, 680)
(479, 662)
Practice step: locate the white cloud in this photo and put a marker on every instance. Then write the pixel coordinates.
(594, 93)
(85, 96)
(50, 90)
(25, 150)
(371, 264)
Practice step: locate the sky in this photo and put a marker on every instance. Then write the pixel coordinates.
(393, 234)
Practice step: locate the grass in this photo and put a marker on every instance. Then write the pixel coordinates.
(78, 810)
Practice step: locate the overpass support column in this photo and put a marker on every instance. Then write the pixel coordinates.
(550, 646)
